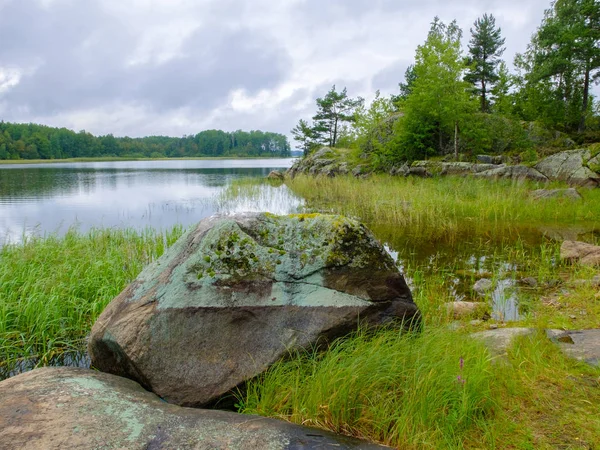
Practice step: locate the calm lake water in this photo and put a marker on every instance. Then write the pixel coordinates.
(50, 198)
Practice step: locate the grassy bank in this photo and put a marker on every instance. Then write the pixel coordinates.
(437, 390)
(404, 390)
(52, 289)
(443, 206)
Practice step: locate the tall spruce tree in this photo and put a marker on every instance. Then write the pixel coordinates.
(485, 50)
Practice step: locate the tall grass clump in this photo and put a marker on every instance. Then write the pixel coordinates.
(431, 390)
(443, 205)
(52, 289)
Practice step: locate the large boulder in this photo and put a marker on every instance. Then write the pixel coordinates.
(571, 167)
(69, 408)
(513, 173)
(236, 293)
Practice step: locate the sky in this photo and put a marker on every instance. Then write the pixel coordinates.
(177, 67)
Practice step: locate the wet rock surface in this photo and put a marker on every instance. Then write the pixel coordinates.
(462, 309)
(583, 345)
(582, 252)
(237, 293)
(69, 408)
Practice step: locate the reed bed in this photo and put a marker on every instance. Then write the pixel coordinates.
(443, 206)
(53, 288)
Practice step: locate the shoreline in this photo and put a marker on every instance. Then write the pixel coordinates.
(9, 162)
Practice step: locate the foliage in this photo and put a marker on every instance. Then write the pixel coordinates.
(439, 103)
(31, 141)
(335, 112)
(560, 63)
(485, 50)
(305, 135)
(374, 126)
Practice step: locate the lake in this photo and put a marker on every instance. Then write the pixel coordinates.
(50, 198)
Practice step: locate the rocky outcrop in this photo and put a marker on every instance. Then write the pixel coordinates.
(69, 408)
(513, 173)
(571, 167)
(236, 293)
(575, 251)
(275, 175)
(544, 194)
(325, 161)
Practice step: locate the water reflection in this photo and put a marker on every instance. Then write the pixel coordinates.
(50, 198)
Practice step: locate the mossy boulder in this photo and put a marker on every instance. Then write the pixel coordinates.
(237, 293)
(326, 161)
(69, 408)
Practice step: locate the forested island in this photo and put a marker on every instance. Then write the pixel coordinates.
(455, 104)
(32, 141)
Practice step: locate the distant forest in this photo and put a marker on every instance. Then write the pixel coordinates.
(31, 141)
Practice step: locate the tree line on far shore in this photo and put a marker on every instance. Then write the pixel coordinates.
(455, 102)
(31, 141)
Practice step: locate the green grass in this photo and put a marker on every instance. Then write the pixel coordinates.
(398, 389)
(52, 289)
(442, 206)
(413, 392)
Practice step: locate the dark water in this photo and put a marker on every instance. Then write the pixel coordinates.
(48, 198)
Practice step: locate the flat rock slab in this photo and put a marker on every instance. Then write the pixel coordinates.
(513, 173)
(543, 194)
(582, 252)
(237, 293)
(570, 166)
(583, 345)
(69, 408)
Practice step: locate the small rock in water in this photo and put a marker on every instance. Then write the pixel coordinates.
(482, 286)
(582, 252)
(529, 281)
(460, 310)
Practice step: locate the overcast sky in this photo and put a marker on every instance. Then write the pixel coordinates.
(175, 67)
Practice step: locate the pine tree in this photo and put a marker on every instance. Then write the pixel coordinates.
(333, 109)
(485, 50)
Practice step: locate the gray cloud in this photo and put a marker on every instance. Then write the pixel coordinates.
(176, 66)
